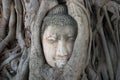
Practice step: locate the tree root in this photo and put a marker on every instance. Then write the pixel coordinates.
(9, 59)
(106, 50)
(19, 32)
(5, 18)
(11, 35)
(22, 72)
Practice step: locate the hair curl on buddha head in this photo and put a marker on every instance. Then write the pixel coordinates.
(59, 16)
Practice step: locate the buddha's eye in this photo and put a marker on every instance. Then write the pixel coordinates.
(71, 38)
(52, 39)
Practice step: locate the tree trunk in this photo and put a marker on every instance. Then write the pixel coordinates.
(96, 50)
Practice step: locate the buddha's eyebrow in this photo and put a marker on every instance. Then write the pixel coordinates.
(53, 35)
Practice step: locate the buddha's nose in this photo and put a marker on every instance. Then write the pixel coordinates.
(61, 52)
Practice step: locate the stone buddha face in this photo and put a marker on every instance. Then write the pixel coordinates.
(58, 36)
(58, 42)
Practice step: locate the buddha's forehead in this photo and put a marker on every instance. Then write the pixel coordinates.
(56, 29)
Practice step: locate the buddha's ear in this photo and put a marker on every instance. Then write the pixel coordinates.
(81, 53)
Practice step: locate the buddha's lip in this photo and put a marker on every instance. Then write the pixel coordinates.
(62, 59)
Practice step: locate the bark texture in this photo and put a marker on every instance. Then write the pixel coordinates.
(96, 50)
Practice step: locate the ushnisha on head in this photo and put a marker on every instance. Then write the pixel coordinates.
(59, 31)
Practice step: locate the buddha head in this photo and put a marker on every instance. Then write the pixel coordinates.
(59, 32)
